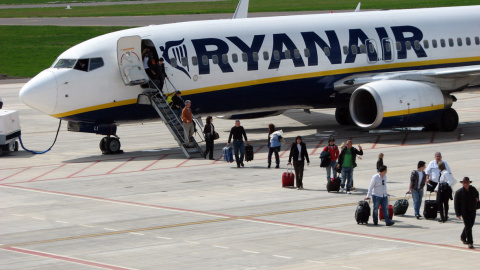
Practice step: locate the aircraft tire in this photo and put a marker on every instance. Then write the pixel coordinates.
(16, 147)
(1, 150)
(113, 145)
(342, 115)
(449, 120)
(103, 145)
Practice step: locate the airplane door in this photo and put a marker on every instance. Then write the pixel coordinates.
(130, 62)
(387, 50)
(371, 50)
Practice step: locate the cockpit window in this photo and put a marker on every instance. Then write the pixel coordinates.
(95, 63)
(65, 63)
(82, 64)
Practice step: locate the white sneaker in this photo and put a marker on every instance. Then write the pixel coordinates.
(342, 190)
(348, 192)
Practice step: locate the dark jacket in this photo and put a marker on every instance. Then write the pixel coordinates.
(464, 203)
(209, 131)
(379, 163)
(355, 152)
(294, 153)
(414, 180)
(237, 133)
(177, 102)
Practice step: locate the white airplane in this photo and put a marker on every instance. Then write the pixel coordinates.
(379, 69)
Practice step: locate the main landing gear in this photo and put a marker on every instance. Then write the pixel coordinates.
(110, 145)
(447, 122)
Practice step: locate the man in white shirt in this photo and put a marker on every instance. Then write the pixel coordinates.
(433, 173)
(378, 191)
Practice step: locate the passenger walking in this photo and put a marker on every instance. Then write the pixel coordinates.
(334, 153)
(187, 118)
(418, 178)
(273, 145)
(160, 73)
(147, 63)
(238, 133)
(299, 153)
(444, 191)
(378, 191)
(177, 103)
(209, 131)
(433, 173)
(380, 161)
(346, 162)
(466, 201)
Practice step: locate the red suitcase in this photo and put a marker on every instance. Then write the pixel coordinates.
(288, 178)
(390, 212)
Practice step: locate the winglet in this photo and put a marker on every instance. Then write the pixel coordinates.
(358, 7)
(242, 10)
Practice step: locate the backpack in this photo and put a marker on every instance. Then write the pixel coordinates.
(281, 140)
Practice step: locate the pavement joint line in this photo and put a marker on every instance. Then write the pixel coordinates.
(109, 229)
(135, 233)
(39, 218)
(315, 261)
(59, 221)
(220, 247)
(283, 257)
(250, 251)
(85, 225)
(349, 267)
(161, 237)
(191, 242)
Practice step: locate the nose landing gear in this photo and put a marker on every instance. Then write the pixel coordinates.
(110, 145)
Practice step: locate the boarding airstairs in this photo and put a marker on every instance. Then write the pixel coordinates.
(190, 147)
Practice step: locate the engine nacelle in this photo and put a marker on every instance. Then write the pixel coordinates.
(397, 103)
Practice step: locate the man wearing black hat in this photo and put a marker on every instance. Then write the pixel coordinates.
(466, 199)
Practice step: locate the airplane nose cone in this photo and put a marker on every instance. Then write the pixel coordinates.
(40, 93)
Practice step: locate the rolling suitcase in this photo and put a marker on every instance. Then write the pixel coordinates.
(430, 208)
(390, 212)
(248, 153)
(400, 207)
(227, 154)
(334, 184)
(288, 177)
(362, 213)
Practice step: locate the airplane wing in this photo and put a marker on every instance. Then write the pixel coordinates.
(447, 79)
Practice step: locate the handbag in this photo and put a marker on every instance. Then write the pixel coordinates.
(216, 136)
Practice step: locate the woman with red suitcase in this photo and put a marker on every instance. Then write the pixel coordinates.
(299, 153)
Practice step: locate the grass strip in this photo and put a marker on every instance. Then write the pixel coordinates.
(27, 50)
(227, 6)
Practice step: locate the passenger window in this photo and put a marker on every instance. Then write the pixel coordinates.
(326, 50)
(425, 44)
(477, 41)
(173, 62)
(399, 46)
(194, 60)
(234, 58)
(306, 52)
(363, 49)
(434, 43)
(82, 64)
(205, 60)
(255, 56)
(450, 42)
(417, 45)
(244, 57)
(408, 45)
(276, 55)
(296, 53)
(184, 61)
(442, 43)
(468, 41)
(215, 59)
(265, 56)
(354, 49)
(96, 63)
(345, 50)
(388, 46)
(459, 41)
(225, 58)
(287, 54)
(371, 48)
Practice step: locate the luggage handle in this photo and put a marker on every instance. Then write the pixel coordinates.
(290, 167)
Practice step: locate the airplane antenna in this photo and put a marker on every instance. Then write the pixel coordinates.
(242, 10)
(358, 7)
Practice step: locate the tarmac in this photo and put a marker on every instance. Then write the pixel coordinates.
(151, 208)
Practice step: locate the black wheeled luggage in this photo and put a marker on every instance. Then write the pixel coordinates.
(430, 208)
(362, 213)
(400, 207)
(248, 153)
(334, 184)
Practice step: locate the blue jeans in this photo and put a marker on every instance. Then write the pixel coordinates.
(377, 201)
(238, 145)
(417, 196)
(347, 175)
(331, 167)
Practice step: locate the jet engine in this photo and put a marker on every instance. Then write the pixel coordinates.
(400, 103)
